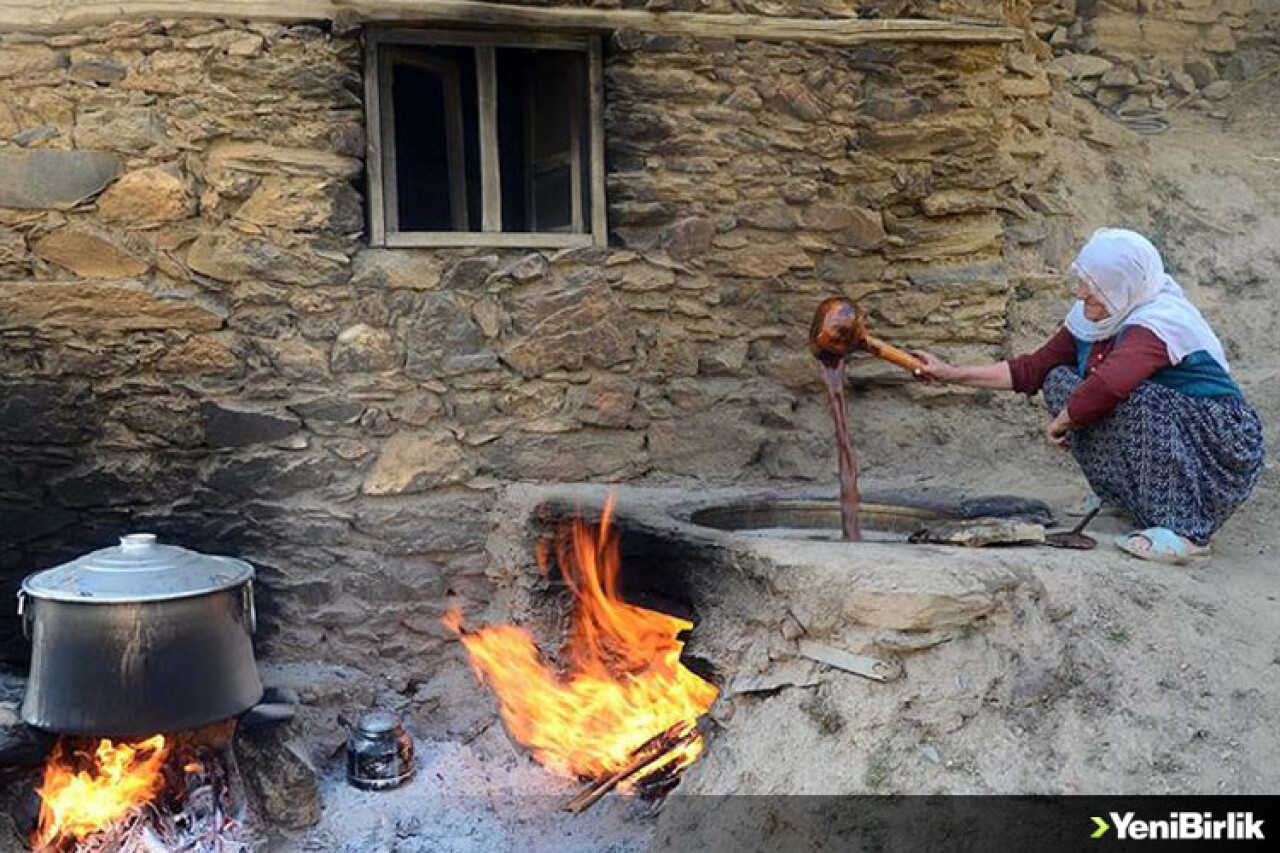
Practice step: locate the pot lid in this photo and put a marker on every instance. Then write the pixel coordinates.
(138, 569)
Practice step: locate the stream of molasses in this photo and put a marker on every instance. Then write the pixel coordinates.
(833, 376)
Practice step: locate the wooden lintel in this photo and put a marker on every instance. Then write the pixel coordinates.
(43, 16)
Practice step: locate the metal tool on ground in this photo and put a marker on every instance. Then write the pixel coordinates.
(840, 326)
(1075, 538)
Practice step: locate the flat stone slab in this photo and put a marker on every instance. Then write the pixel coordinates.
(43, 179)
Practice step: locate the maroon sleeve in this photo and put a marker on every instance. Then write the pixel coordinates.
(1029, 371)
(1135, 356)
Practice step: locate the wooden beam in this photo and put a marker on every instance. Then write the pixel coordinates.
(42, 15)
(490, 165)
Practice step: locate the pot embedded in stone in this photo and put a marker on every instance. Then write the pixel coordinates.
(138, 639)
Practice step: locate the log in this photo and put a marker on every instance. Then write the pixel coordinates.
(643, 757)
(43, 16)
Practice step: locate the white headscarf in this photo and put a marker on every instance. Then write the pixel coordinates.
(1125, 271)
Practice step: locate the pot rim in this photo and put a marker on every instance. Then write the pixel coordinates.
(89, 600)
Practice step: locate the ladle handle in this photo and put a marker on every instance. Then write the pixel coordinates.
(892, 354)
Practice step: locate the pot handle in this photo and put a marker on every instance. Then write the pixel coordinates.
(23, 615)
(250, 610)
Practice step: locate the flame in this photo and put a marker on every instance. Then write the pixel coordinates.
(623, 683)
(120, 779)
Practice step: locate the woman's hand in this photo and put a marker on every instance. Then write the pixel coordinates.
(934, 369)
(1058, 431)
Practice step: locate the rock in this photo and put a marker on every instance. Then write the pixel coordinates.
(301, 204)
(529, 268)
(567, 457)
(1218, 90)
(148, 196)
(89, 254)
(277, 770)
(766, 260)
(566, 329)
(65, 414)
(950, 202)
(1218, 40)
(469, 274)
(134, 130)
(412, 462)
(29, 60)
(269, 476)
(329, 409)
(229, 257)
(768, 215)
(725, 358)
(95, 68)
(1201, 70)
(1037, 87)
(1182, 82)
(444, 340)
(948, 236)
(426, 524)
(830, 217)
(1119, 77)
(800, 102)
(364, 349)
(688, 238)
(13, 250)
(100, 306)
(396, 269)
(48, 179)
(606, 401)
(976, 533)
(709, 443)
(263, 159)
(230, 427)
(865, 232)
(200, 356)
(1077, 66)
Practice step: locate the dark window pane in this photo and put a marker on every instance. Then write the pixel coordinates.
(544, 139)
(553, 202)
(436, 139)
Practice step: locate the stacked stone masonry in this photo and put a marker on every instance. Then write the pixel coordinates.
(1134, 56)
(196, 339)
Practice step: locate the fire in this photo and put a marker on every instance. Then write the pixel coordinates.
(623, 682)
(87, 793)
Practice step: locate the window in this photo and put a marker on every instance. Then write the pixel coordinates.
(482, 139)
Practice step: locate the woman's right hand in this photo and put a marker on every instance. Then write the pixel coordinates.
(934, 369)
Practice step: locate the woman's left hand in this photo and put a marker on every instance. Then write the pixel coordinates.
(1058, 431)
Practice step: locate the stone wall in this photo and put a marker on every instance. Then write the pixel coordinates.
(195, 339)
(1138, 55)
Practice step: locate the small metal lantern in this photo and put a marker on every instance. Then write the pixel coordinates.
(379, 753)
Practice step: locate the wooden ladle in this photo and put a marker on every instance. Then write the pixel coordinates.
(840, 326)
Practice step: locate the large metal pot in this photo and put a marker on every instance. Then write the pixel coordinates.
(139, 639)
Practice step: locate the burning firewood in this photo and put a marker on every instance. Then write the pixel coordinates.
(649, 761)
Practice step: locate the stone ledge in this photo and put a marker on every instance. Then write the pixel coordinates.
(101, 306)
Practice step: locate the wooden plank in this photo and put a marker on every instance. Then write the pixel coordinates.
(867, 667)
(595, 82)
(471, 38)
(373, 135)
(387, 143)
(510, 239)
(45, 16)
(490, 165)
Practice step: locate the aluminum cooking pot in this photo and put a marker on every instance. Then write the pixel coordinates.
(139, 639)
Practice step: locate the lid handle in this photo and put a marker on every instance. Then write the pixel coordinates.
(135, 542)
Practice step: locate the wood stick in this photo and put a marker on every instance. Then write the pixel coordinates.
(45, 16)
(648, 753)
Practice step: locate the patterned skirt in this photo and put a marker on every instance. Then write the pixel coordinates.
(1169, 459)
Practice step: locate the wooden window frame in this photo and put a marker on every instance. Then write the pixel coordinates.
(380, 47)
